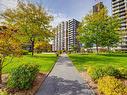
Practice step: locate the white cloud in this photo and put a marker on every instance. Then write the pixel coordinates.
(7, 4)
(58, 17)
(10, 4)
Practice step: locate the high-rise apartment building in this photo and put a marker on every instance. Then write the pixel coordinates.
(119, 8)
(98, 7)
(65, 36)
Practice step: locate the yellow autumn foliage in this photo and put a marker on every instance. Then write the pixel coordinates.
(42, 46)
(109, 85)
(9, 44)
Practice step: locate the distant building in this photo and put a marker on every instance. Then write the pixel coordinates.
(98, 7)
(65, 36)
(119, 8)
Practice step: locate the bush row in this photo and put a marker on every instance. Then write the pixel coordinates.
(109, 85)
(123, 72)
(97, 72)
(3, 92)
(23, 76)
(25, 52)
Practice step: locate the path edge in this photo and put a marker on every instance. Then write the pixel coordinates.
(82, 77)
(46, 76)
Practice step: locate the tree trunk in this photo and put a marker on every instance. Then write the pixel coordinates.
(32, 47)
(97, 48)
(0, 71)
(91, 50)
(108, 49)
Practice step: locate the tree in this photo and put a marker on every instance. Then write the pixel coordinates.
(31, 20)
(9, 46)
(42, 46)
(84, 36)
(75, 48)
(110, 36)
(99, 29)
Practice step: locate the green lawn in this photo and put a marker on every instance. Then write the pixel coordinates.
(45, 61)
(82, 62)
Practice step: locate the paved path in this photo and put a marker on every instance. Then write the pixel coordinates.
(64, 80)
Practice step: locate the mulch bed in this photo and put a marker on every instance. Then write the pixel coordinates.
(91, 83)
(36, 84)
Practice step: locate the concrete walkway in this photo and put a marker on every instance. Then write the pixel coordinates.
(64, 80)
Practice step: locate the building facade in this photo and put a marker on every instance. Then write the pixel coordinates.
(119, 8)
(98, 7)
(65, 36)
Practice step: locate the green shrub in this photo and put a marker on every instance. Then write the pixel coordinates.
(97, 72)
(109, 85)
(23, 76)
(3, 92)
(111, 71)
(123, 72)
(25, 52)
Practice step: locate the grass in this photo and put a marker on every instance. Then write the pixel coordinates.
(82, 62)
(45, 61)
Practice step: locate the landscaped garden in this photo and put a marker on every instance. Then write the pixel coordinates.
(45, 62)
(25, 34)
(25, 74)
(106, 73)
(83, 61)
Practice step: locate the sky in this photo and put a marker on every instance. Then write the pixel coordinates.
(62, 10)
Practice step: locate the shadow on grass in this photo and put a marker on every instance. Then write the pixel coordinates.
(84, 59)
(114, 55)
(82, 62)
(43, 56)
